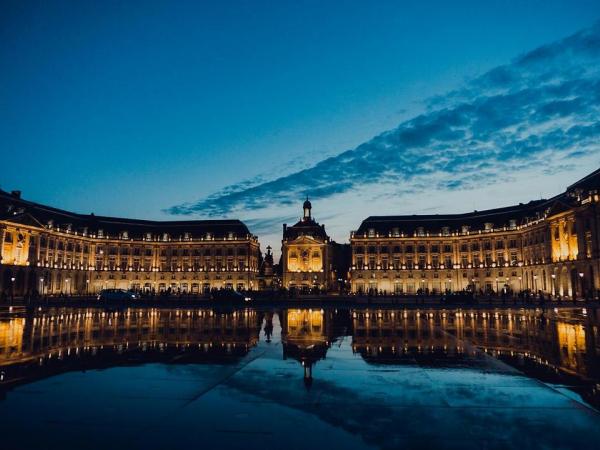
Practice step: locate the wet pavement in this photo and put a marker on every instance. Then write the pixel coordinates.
(300, 378)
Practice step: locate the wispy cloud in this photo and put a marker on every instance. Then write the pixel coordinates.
(540, 111)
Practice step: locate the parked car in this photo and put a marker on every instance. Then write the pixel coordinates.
(228, 295)
(117, 294)
(458, 298)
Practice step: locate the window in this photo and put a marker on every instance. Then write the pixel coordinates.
(500, 259)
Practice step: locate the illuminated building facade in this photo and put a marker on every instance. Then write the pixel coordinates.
(306, 254)
(545, 245)
(49, 251)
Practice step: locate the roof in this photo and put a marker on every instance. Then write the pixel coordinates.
(476, 220)
(587, 183)
(15, 209)
(305, 228)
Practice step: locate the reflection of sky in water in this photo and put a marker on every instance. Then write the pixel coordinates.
(261, 400)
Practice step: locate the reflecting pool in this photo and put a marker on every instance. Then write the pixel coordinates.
(299, 378)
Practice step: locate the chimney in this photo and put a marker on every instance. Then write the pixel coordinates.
(16, 194)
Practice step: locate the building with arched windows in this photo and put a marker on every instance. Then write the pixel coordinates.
(544, 245)
(306, 254)
(49, 251)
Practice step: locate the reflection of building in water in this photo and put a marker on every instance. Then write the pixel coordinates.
(305, 337)
(558, 340)
(64, 339)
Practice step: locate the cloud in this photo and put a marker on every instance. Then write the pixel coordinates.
(541, 109)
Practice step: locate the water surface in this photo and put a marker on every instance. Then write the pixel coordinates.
(299, 378)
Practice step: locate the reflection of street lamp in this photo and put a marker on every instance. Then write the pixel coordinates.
(496, 285)
(68, 281)
(42, 285)
(553, 284)
(582, 287)
(535, 283)
(87, 287)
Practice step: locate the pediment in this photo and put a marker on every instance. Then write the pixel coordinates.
(304, 239)
(24, 219)
(558, 207)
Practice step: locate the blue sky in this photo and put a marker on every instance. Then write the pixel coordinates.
(237, 109)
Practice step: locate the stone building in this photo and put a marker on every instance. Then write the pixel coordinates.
(544, 245)
(49, 251)
(306, 254)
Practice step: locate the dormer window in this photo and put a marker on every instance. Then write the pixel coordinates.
(420, 231)
(230, 235)
(50, 223)
(208, 235)
(148, 236)
(465, 229)
(445, 231)
(165, 237)
(68, 227)
(512, 224)
(186, 236)
(124, 235)
(371, 232)
(489, 226)
(395, 232)
(100, 233)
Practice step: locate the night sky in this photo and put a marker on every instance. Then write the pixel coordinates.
(241, 109)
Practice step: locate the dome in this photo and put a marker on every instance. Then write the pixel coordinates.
(307, 205)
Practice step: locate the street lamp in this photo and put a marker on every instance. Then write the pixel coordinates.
(12, 288)
(553, 283)
(42, 285)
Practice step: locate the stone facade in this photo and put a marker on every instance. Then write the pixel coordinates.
(306, 254)
(545, 245)
(50, 251)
